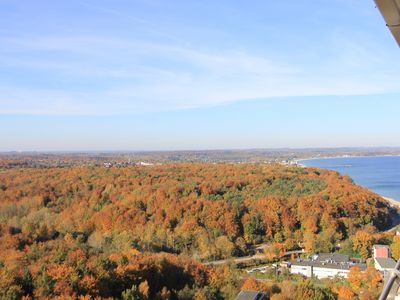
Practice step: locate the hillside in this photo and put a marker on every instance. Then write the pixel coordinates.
(98, 231)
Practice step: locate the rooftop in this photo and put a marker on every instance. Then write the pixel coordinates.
(381, 246)
(329, 261)
(334, 265)
(331, 257)
(386, 263)
(250, 295)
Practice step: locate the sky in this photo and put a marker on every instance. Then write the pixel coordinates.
(185, 74)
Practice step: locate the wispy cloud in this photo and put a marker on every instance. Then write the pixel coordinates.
(96, 74)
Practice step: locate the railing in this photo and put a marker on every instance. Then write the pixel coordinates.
(393, 281)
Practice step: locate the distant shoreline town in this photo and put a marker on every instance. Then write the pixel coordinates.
(285, 156)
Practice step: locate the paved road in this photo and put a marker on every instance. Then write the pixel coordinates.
(248, 258)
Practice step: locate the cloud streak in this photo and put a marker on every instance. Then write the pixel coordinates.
(80, 74)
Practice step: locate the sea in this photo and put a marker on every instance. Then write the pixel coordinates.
(380, 174)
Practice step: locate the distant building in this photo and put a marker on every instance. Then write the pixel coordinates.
(285, 264)
(143, 163)
(382, 260)
(325, 265)
(250, 295)
(384, 264)
(382, 251)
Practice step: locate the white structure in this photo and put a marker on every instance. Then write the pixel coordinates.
(304, 270)
(325, 265)
(384, 264)
(143, 163)
(319, 270)
(391, 13)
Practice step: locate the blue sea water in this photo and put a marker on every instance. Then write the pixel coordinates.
(380, 174)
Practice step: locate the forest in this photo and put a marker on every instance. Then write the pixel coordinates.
(144, 232)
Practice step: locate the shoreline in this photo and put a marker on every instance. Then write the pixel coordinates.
(344, 156)
(394, 218)
(392, 201)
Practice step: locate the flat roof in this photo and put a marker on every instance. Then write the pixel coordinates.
(250, 295)
(337, 266)
(332, 257)
(386, 263)
(390, 10)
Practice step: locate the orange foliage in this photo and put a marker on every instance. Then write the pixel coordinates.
(345, 293)
(78, 228)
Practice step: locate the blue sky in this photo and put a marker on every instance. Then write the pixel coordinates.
(154, 75)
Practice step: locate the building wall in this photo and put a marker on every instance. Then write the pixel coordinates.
(381, 252)
(302, 270)
(318, 272)
(329, 273)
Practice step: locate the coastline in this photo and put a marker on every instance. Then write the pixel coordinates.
(343, 156)
(393, 216)
(392, 201)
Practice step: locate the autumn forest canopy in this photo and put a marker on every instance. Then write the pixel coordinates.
(115, 232)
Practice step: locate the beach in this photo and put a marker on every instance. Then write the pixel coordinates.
(393, 202)
(380, 174)
(395, 218)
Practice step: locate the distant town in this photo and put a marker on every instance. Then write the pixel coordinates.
(286, 156)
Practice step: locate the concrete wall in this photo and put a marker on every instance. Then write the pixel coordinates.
(302, 270)
(318, 272)
(329, 273)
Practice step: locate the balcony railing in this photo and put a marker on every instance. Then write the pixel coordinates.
(392, 284)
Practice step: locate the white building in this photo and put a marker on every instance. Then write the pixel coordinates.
(384, 264)
(325, 265)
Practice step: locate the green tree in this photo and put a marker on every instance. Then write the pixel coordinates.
(395, 247)
(308, 290)
(27, 283)
(44, 283)
(254, 229)
(131, 294)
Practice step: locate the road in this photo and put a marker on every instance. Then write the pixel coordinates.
(248, 258)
